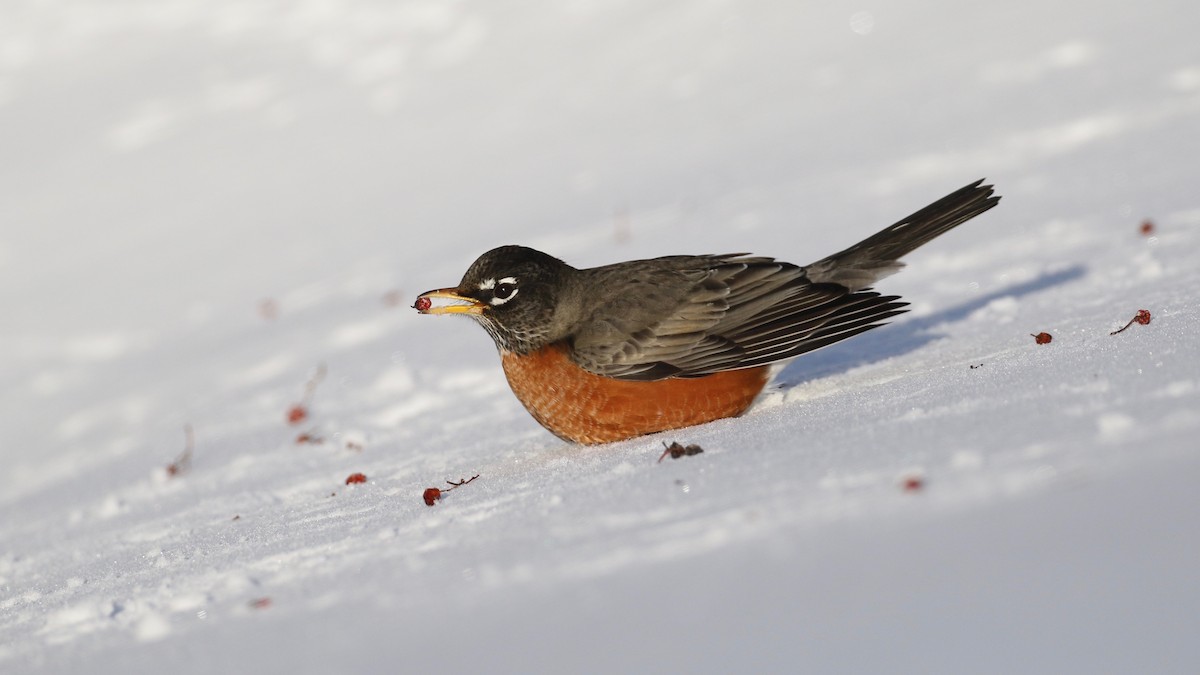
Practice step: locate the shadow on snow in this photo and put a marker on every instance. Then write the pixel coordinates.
(906, 336)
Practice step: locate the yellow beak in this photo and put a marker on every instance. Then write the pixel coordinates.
(427, 303)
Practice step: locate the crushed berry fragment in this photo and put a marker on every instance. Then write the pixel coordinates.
(422, 304)
(356, 478)
(675, 450)
(912, 483)
(309, 437)
(1042, 338)
(260, 603)
(1147, 227)
(184, 461)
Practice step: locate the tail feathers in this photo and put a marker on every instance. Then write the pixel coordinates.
(878, 256)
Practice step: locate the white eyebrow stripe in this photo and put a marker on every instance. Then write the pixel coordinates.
(508, 280)
(488, 284)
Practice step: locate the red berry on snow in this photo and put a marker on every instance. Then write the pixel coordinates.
(297, 414)
(1147, 227)
(356, 478)
(1042, 338)
(431, 495)
(1142, 317)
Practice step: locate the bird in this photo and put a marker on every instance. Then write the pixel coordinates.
(604, 354)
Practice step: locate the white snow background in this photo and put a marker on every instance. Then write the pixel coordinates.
(166, 167)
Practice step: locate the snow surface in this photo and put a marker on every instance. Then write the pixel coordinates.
(169, 167)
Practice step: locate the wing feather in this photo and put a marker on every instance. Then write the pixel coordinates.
(714, 313)
(690, 316)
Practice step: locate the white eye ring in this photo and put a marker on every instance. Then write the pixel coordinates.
(505, 290)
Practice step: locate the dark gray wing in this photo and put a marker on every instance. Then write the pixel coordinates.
(691, 316)
(697, 315)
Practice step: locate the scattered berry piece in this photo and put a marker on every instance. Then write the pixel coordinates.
(299, 412)
(184, 461)
(422, 304)
(309, 437)
(1142, 317)
(260, 603)
(1147, 227)
(912, 483)
(675, 450)
(356, 478)
(1042, 338)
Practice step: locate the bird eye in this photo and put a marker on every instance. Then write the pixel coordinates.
(504, 291)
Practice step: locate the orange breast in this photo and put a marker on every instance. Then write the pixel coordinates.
(587, 408)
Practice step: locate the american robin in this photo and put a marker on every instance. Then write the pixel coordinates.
(618, 351)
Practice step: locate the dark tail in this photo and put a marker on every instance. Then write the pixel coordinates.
(877, 256)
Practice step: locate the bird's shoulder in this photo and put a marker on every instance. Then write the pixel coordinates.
(661, 317)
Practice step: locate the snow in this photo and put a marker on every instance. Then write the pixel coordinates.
(202, 202)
